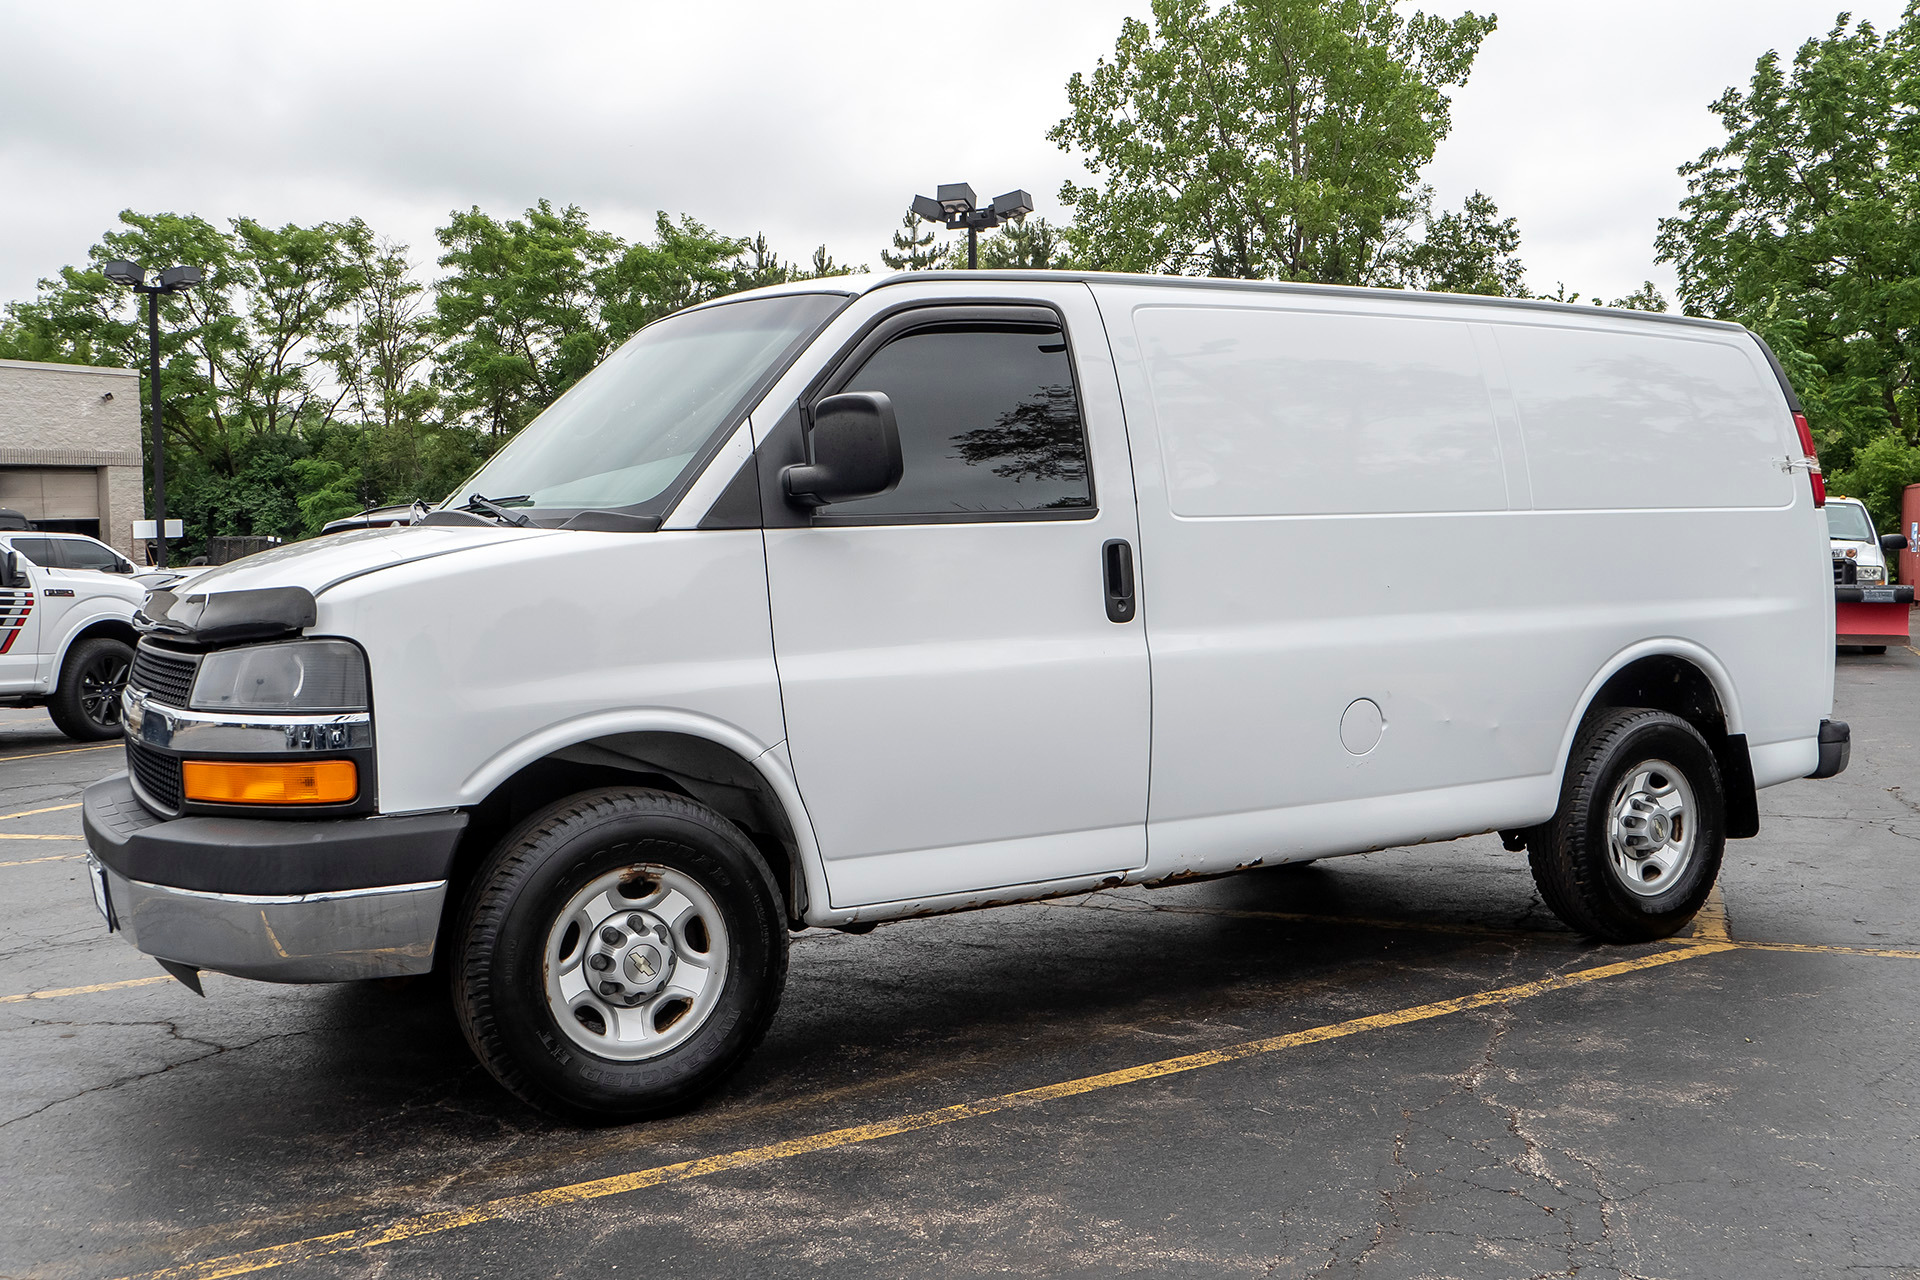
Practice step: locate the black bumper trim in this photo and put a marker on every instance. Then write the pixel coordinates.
(1900, 593)
(1836, 748)
(265, 856)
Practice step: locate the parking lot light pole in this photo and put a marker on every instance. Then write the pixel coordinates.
(953, 209)
(172, 280)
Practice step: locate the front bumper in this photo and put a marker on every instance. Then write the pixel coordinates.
(281, 901)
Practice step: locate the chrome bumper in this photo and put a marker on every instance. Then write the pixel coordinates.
(336, 936)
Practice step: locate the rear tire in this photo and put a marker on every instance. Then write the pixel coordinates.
(619, 955)
(86, 703)
(1636, 845)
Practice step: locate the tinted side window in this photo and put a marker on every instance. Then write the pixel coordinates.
(38, 550)
(989, 422)
(80, 554)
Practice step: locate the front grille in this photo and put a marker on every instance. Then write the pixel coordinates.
(157, 774)
(167, 676)
(1845, 573)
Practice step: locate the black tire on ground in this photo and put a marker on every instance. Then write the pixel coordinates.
(1571, 854)
(86, 703)
(1873, 648)
(516, 902)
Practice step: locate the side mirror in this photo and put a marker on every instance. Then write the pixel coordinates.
(1893, 542)
(10, 572)
(855, 446)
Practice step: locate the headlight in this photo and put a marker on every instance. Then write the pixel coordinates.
(1870, 574)
(299, 676)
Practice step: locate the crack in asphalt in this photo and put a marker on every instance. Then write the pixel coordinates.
(214, 1050)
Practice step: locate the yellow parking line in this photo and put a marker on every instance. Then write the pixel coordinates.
(70, 751)
(56, 857)
(4, 835)
(28, 813)
(1805, 948)
(55, 992)
(510, 1206)
(1710, 923)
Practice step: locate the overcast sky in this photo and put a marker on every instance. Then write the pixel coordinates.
(812, 122)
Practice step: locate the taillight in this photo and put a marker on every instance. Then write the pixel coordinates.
(1813, 459)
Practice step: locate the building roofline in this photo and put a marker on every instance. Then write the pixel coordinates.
(59, 367)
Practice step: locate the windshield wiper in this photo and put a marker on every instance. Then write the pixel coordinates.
(496, 508)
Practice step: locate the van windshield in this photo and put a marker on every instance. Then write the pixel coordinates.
(624, 433)
(1848, 522)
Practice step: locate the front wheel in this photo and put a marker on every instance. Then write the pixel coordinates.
(1636, 845)
(86, 703)
(620, 954)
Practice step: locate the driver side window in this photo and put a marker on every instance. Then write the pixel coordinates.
(989, 424)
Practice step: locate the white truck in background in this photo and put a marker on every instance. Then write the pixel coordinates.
(66, 629)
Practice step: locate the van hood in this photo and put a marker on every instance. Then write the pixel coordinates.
(273, 593)
(323, 563)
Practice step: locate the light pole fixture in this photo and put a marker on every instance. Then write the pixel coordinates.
(172, 280)
(954, 208)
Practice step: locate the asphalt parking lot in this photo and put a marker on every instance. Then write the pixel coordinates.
(1391, 1065)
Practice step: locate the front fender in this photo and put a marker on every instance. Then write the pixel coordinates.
(770, 762)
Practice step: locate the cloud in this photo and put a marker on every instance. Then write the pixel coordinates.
(814, 123)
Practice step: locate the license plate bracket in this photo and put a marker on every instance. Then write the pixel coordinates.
(102, 897)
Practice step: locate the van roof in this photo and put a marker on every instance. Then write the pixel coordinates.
(854, 285)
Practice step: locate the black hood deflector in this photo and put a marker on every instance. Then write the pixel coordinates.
(227, 617)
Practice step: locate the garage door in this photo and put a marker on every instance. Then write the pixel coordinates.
(62, 499)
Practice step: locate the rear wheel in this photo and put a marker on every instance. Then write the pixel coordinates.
(86, 703)
(619, 955)
(1636, 845)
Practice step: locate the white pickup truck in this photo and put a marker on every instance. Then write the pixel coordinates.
(66, 630)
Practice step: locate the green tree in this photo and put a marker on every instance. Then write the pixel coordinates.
(914, 246)
(1805, 224)
(519, 311)
(1645, 298)
(1031, 244)
(1263, 138)
(383, 363)
(1472, 251)
(685, 264)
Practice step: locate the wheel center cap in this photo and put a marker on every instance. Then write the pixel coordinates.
(1659, 829)
(643, 964)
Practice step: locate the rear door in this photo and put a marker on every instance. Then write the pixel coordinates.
(962, 714)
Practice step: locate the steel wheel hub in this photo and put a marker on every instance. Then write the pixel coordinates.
(1650, 828)
(635, 962)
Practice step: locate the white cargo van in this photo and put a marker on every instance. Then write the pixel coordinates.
(856, 600)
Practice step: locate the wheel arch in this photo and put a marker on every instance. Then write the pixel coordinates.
(1681, 678)
(705, 760)
(110, 625)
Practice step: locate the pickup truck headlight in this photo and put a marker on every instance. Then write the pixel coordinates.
(298, 676)
(1870, 574)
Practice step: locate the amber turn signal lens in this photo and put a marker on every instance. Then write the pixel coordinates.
(309, 782)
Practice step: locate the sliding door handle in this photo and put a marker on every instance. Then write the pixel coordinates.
(1116, 561)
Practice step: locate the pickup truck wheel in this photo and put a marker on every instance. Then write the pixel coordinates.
(86, 703)
(620, 953)
(1636, 845)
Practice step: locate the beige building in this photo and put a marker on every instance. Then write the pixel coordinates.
(70, 449)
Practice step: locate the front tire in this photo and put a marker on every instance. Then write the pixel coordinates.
(86, 703)
(619, 955)
(1636, 844)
